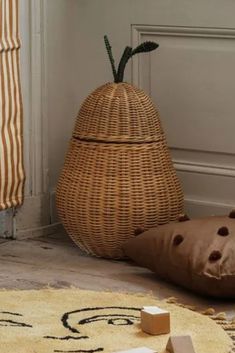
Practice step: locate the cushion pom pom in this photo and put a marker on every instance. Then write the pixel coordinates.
(183, 218)
(232, 214)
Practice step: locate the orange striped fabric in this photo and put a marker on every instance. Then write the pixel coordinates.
(12, 174)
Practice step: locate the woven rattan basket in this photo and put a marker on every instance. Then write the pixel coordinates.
(118, 175)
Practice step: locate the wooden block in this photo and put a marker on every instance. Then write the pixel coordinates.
(180, 344)
(154, 320)
(139, 350)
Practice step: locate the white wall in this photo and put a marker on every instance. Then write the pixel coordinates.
(191, 77)
(61, 95)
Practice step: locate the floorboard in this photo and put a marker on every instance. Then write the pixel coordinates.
(57, 262)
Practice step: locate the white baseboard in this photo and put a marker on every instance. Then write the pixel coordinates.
(6, 225)
(39, 231)
(37, 217)
(200, 208)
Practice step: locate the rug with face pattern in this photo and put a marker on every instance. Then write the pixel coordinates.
(72, 320)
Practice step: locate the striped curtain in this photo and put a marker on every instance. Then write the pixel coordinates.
(11, 150)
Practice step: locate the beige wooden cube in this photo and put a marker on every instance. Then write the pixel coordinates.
(138, 350)
(155, 321)
(180, 344)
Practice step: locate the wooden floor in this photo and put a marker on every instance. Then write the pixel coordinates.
(56, 262)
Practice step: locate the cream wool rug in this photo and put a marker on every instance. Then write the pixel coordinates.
(72, 320)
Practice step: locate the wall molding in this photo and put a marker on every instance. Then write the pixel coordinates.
(39, 124)
(202, 168)
(206, 163)
(191, 31)
(138, 31)
(33, 71)
(34, 216)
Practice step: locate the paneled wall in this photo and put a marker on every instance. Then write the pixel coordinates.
(191, 78)
(192, 81)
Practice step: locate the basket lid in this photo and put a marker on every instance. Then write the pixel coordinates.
(118, 112)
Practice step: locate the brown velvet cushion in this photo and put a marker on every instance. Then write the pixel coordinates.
(198, 254)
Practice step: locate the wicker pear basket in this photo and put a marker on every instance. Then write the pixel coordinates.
(118, 176)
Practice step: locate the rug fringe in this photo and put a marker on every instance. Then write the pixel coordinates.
(220, 318)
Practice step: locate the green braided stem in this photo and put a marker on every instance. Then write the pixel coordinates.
(127, 54)
(111, 59)
(145, 47)
(124, 59)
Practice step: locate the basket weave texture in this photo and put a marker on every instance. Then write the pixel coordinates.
(118, 176)
(118, 112)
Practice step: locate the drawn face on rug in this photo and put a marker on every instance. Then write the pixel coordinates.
(86, 326)
(12, 319)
